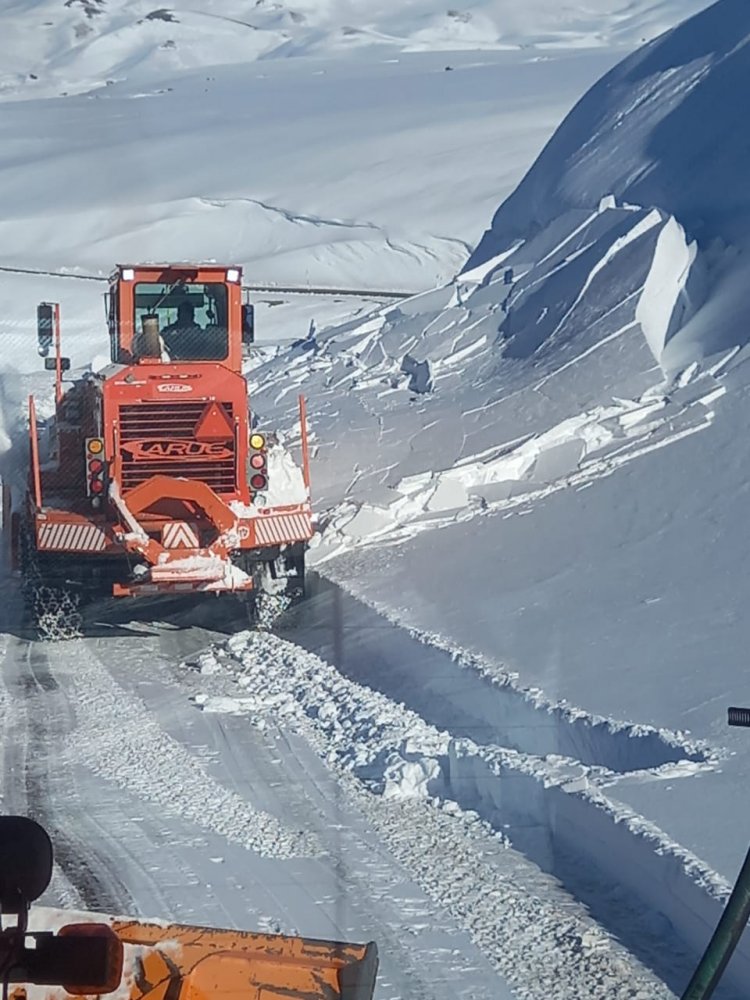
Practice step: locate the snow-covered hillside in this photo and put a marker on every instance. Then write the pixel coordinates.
(50, 46)
(365, 173)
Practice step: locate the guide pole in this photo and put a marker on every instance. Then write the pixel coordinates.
(733, 920)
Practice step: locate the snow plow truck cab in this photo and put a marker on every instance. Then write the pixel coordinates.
(153, 476)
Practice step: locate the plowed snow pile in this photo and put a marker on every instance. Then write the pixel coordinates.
(545, 461)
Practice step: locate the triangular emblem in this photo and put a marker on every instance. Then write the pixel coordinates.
(214, 424)
(180, 535)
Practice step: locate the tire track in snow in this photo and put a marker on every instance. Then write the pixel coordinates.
(119, 740)
(355, 888)
(38, 778)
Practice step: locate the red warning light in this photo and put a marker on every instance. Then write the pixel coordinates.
(97, 486)
(258, 482)
(257, 461)
(95, 466)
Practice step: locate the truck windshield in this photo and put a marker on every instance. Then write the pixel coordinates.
(192, 318)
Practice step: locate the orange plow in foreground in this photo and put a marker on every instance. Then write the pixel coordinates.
(134, 960)
(198, 963)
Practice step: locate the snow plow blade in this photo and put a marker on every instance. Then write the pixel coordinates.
(176, 962)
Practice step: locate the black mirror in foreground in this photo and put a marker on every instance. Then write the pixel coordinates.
(733, 920)
(82, 958)
(25, 862)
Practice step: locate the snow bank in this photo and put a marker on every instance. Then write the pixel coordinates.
(286, 484)
(649, 133)
(422, 810)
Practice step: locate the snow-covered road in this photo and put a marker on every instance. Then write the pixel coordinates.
(157, 809)
(340, 779)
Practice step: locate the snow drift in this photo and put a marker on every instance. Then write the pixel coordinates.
(658, 131)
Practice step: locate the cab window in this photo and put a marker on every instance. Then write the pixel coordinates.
(191, 318)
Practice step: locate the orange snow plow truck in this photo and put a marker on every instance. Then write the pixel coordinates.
(153, 476)
(44, 955)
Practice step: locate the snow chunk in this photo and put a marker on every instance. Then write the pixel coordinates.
(409, 779)
(286, 485)
(666, 304)
(208, 664)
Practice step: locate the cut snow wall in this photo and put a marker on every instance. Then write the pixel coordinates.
(588, 278)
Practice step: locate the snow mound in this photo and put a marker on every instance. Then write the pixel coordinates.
(647, 134)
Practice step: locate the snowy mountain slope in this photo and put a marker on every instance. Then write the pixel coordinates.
(143, 163)
(50, 46)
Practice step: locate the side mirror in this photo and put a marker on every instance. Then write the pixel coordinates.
(25, 862)
(45, 326)
(248, 324)
(84, 959)
(50, 364)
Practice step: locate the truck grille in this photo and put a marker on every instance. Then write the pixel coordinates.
(155, 430)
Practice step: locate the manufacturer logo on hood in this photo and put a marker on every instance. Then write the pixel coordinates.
(174, 387)
(176, 451)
